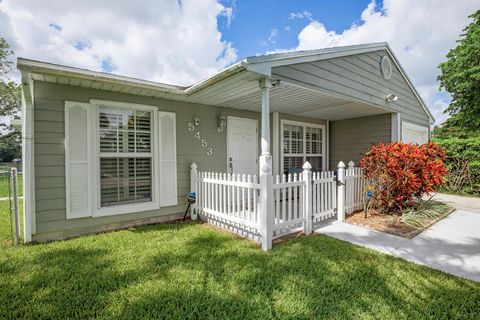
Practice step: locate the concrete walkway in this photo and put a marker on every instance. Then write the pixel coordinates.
(451, 245)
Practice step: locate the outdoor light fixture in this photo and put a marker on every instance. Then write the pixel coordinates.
(391, 97)
(221, 122)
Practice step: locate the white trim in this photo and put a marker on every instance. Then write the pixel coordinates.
(158, 158)
(395, 127)
(276, 143)
(256, 140)
(28, 158)
(304, 125)
(99, 211)
(121, 104)
(327, 147)
(126, 208)
(33, 66)
(87, 107)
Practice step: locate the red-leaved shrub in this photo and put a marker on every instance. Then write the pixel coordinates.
(399, 172)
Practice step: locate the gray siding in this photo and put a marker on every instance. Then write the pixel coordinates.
(357, 77)
(49, 139)
(349, 139)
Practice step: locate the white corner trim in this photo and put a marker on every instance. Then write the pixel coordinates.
(29, 226)
(395, 126)
(276, 143)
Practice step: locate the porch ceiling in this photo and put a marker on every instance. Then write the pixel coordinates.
(292, 99)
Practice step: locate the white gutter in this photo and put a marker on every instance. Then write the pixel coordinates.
(33, 66)
(225, 73)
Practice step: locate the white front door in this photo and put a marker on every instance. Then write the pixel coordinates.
(242, 146)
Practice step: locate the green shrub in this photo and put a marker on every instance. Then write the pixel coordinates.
(463, 163)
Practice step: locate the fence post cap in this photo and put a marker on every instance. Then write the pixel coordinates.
(351, 164)
(193, 166)
(341, 164)
(307, 166)
(13, 170)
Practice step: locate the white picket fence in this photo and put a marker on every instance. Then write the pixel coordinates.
(354, 188)
(229, 201)
(305, 200)
(289, 212)
(324, 204)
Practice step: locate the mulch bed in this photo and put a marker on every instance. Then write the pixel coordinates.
(385, 223)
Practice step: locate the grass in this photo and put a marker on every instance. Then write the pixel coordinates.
(190, 271)
(4, 184)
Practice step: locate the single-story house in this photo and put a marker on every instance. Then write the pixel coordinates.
(102, 151)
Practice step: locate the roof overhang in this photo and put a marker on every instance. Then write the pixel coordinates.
(235, 83)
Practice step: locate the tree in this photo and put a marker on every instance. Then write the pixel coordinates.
(10, 102)
(460, 76)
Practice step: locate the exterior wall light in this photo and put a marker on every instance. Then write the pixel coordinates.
(391, 98)
(221, 123)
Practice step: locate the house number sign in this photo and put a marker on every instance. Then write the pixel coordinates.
(193, 127)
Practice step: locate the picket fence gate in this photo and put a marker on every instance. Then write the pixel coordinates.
(300, 201)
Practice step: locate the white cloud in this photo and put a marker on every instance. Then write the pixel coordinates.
(419, 32)
(300, 15)
(271, 38)
(166, 41)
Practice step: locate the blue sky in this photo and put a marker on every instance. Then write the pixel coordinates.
(253, 22)
(181, 42)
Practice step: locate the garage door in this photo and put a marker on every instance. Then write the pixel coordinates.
(414, 133)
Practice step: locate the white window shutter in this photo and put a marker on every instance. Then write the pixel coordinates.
(168, 159)
(77, 159)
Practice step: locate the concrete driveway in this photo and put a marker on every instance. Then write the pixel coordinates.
(451, 245)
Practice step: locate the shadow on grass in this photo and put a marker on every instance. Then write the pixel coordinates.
(191, 271)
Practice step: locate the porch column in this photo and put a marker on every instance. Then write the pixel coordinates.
(266, 177)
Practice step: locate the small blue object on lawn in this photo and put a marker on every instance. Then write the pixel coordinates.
(191, 198)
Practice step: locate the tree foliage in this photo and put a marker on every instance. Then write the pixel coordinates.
(460, 76)
(10, 103)
(463, 162)
(399, 172)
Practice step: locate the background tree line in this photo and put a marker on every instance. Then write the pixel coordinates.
(460, 133)
(10, 106)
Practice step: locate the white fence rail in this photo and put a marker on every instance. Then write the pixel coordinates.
(299, 200)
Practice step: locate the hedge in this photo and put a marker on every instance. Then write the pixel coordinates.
(463, 163)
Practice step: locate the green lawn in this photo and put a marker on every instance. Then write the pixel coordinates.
(4, 185)
(191, 271)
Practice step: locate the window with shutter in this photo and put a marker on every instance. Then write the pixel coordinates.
(77, 160)
(120, 158)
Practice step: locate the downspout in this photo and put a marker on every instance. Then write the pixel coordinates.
(29, 227)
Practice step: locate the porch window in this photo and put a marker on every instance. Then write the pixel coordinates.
(302, 142)
(125, 155)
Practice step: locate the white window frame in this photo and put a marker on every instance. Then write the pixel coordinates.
(99, 211)
(284, 122)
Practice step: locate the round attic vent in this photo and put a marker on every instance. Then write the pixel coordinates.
(386, 67)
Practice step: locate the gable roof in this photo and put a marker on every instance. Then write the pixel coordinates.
(261, 65)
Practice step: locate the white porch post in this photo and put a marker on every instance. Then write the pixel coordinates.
(341, 191)
(193, 188)
(266, 177)
(307, 177)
